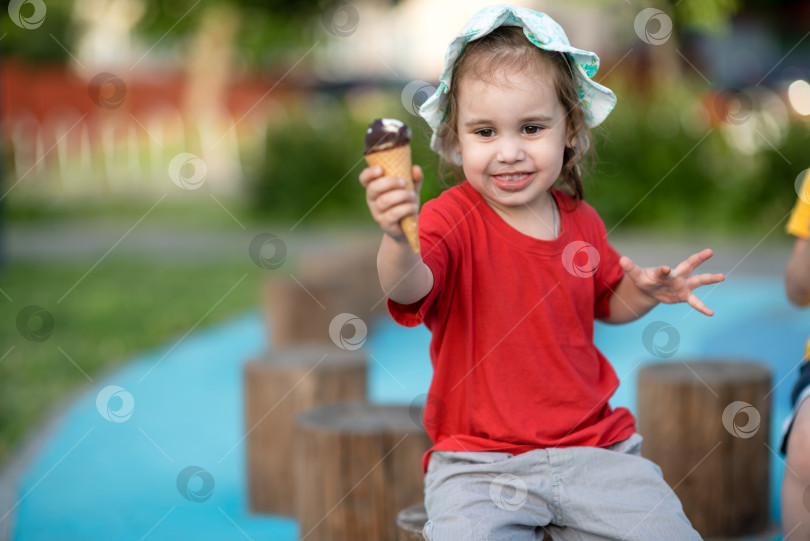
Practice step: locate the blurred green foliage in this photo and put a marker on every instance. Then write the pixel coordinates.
(709, 15)
(311, 170)
(653, 173)
(271, 31)
(650, 172)
(38, 44)
(311, 166)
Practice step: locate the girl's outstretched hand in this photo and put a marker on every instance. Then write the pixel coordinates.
(672, 286)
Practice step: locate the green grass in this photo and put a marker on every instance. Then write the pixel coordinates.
(121, 308)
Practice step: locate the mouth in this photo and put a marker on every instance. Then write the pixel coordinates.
(512, 181)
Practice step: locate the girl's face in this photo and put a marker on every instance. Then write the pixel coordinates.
(512, 131)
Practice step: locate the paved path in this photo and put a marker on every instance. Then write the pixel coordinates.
(89, 241)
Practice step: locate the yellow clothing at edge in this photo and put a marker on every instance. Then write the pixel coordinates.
(799, 225)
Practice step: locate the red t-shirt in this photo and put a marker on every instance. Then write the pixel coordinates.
(514, 363)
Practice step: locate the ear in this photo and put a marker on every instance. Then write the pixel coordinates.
(572, 139)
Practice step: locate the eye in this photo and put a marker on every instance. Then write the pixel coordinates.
(532, 129)
(485, 132)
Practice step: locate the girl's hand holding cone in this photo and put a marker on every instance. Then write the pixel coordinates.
(393, 203)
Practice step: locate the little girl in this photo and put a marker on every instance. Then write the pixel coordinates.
(513, 270)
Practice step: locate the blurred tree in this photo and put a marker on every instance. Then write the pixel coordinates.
(271, 31)
(708, 15)
(38, 42)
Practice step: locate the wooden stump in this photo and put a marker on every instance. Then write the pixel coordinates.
(301, 312)
(357, 263)
(356, 466)
(410, 522)
(278, 387)
(706, 424)
(327, 282)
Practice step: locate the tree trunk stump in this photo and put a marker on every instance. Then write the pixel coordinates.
(356, 466)
(707, 424)
(357, 263)
(410, 522)
(278, 387)
(306, 305)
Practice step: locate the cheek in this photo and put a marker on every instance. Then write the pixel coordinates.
(472, 161)
(557, 147)
(469, 153)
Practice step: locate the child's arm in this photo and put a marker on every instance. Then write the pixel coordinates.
(404, 277)
(797, 274)
(640, 290)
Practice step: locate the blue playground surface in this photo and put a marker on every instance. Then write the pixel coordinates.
(163, 455)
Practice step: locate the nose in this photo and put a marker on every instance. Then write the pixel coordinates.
(510, 150)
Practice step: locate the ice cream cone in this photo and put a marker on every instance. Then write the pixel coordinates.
(396, 162)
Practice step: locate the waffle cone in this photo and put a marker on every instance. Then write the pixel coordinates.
(396, 162)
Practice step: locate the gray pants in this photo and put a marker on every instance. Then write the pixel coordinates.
(577, 493)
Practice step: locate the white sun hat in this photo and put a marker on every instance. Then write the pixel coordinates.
(597, 101)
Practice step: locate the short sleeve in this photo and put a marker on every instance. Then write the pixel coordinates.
(435, 239)
(608, 273)
(800, 216)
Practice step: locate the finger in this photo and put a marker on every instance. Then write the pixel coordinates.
(417, 174)
(393, 198)
(382, 185)
(394, 214)
(693, 261)
(629, 267)
(698, 305)
(369, 174)
(661, 273)
(699, 280)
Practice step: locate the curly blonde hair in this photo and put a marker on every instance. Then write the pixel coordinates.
(506, 46)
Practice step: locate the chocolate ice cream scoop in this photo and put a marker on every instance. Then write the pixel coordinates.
(385, 133)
